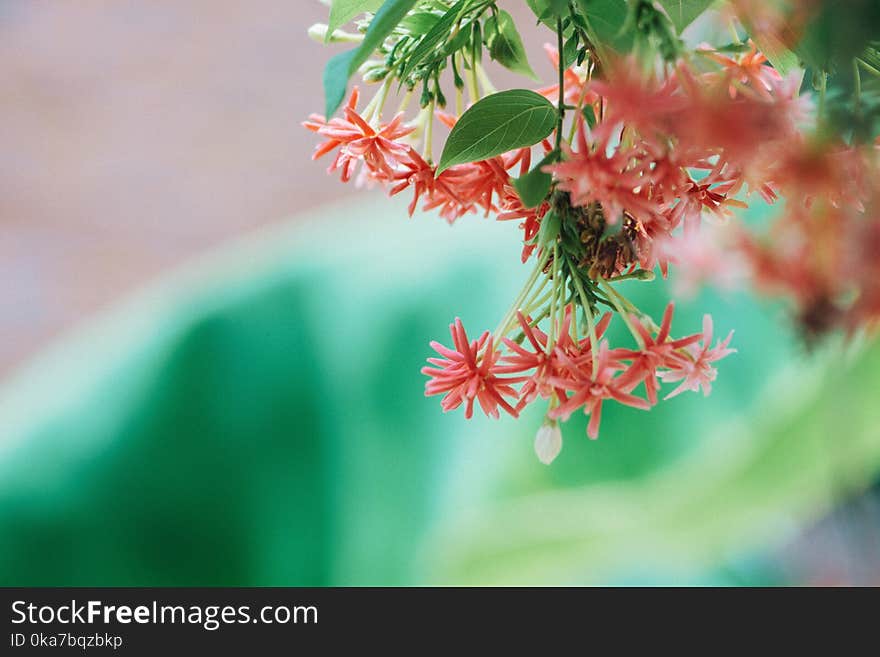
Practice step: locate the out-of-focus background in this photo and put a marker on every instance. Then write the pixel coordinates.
(210, 354)
(136, 134)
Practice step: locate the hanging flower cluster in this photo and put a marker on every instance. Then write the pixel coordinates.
(628, 164)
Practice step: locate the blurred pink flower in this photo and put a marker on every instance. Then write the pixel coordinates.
(692, 365)
(658, 351)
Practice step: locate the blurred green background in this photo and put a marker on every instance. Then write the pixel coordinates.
(258, 419)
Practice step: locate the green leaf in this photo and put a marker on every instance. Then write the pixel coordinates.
(342, 11)
(570, 50)
(505, 44)
(336, 80)
(437, 35)
(341, 67)
(549, 231)
(838, 32)
(497, 124)
(548, 10)
(419, 23)
(534, 186)
(589, 115)
(605, 20)
(684, 12)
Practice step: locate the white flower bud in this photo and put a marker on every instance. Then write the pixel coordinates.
(548, 442)
(318, 32)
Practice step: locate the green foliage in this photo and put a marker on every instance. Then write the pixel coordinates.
(534, 186)
(336, 75)
(784, 463)
(653, 30)
(232, 428)
(419, 23)
(497, 124)
(684, 12)
(606, 20)
(438, 34)
(342, 11)
(340, 69)
(505, 44)
(548, 11)
(839, 32)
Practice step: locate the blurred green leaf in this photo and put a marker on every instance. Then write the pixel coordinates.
(606, 20)
(505, 44)
(341, 67)
(342, 11)
(810, 439)
(684, 12)
(258, 419)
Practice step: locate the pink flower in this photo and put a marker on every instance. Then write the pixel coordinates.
(702, 256)
(415, 172)
(659, 351)
(590, 388)
(748, 68)
(645, 103)
(358, 141)
(693, 364)
(617, 180)
(468, 372)
(546, 362)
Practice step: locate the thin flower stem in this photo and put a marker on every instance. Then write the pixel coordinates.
(573, 128)
(546, 312)
(404, 104)
(551, 341)
(591, 323)
(505, 323)
(488, 87)
(473, 88)
(535, 301)
(734, 34)
(561, 67)
(429, 134)
(374, 108)
(857, 93)
(624, 315)
(870, 69)
(638, 274)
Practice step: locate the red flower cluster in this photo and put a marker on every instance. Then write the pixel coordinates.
(648, 158)
(568, 371)
(483, 186)
(665, 152)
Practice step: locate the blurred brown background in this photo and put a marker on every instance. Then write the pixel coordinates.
(137, 133)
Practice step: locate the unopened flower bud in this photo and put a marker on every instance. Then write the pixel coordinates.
(376, 74)
(548, 442)
(318, 32)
